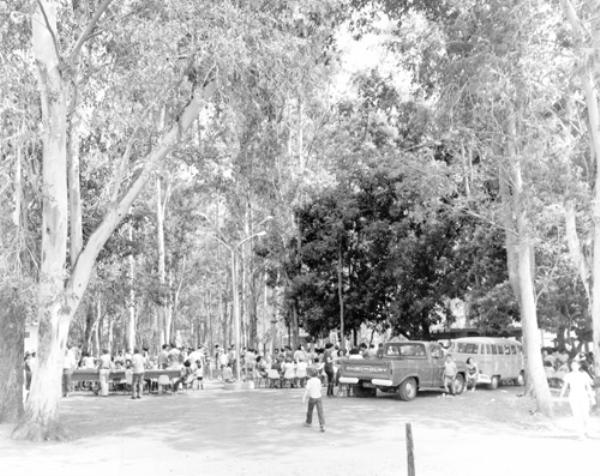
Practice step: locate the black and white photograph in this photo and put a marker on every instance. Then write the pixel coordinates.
(299, 237)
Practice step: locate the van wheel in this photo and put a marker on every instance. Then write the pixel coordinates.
(408, 389)
(495, 382)
(459, 384)
(362, 392)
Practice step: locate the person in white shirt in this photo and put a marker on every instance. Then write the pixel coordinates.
(138, 367)
(105, 365)
(301, 373)
(581, 396)
(313, 394)
(69, 364)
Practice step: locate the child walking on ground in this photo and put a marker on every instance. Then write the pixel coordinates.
(313, 393)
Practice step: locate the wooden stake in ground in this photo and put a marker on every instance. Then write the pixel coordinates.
(410, 454)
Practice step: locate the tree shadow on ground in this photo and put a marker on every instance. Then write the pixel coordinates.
(268, 422)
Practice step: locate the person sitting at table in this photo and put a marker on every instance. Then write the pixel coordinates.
(119, 360)
(186, 377)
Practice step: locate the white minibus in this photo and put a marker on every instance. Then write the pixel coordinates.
(499, 359)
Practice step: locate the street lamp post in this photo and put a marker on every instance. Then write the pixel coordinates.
(236, 300)
(233, 249)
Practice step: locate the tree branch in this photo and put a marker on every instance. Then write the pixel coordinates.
(88, 31)
(116, 186)
(50, 30)
(87, 258)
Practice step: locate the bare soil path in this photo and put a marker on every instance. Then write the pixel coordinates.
(218, 432)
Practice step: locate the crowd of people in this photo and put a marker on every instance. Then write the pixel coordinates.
(305, 368)
(284, 367)
(287, 367)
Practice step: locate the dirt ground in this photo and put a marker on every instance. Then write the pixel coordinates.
(260, 432)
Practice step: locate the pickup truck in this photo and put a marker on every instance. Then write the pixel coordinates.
(404, 367)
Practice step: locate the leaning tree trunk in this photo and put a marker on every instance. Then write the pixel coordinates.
(589, 68)
(12, 335)
(531, 333)
(57, 301)
(594, 123)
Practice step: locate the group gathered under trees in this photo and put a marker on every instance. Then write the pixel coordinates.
(146, 145)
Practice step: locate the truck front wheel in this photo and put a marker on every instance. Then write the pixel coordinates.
(408, 389)
(362, 392)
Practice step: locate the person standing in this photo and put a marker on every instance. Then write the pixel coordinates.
(163, 357)
(313, 394)
(28, 371)
(104, 365)
(69, 364)
(138, 367)
(472, 373)
(328, 360)
(449, 374)
(581, 397)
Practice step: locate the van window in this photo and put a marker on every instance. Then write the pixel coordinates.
(513, 349)
(494, 349)
(436, 352)
(507, 349)
(488, 349)
(500, 349)
(467, 348)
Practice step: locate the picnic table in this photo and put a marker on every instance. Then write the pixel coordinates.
(91, 375)
(119, 376)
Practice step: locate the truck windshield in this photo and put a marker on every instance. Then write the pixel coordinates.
(405, 350)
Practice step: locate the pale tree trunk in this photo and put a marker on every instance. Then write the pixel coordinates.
(169, 322)
(97, 330)
(58, 301)
(594, 123)
(75, 220)
(111, 335)
(589, 69)
(55, 310)
(160, 236)
(575, 250)
(131, 322)
(340, 286)
(510, 235)
(531, 333)
(174, 300)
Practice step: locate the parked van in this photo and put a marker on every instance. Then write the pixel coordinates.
(498, 359)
